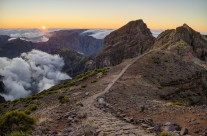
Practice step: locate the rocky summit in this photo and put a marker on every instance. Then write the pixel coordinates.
(129, 41)
(184, 41)
(147, 87)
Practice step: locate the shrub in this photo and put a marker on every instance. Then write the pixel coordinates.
(18, 133)
(94, 81)
(33, 108)
(79, 104)
(63, 99)
(182, 44)
(83, 86)
(157, 61)
(164, 133)
(179, 104)
(14, 121)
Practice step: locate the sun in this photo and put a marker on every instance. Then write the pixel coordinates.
(44, 27)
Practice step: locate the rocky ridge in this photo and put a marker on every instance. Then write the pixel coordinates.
(129, 41)
(184, 41)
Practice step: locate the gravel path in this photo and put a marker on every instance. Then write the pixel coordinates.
(106, 123)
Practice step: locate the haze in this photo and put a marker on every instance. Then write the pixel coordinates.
(158, 14)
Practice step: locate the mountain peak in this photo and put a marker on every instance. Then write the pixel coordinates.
(193, 39)
(136, 21)
(131, 40)
(187, 27)
(136, 24)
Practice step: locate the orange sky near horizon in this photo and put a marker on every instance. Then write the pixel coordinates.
(157, 14)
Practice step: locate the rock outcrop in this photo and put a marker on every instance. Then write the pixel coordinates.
(129, 41)
(184, 41)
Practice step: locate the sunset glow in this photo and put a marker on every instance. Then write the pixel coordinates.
(158, 14)
(44, 27)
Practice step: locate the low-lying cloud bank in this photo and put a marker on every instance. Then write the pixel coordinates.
(98, 33)
(31, 73)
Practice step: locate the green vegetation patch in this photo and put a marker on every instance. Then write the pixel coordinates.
(164, 133)
(77, 79)
(16, 122)
(18, 133)
(179, 104)
(31, 109)
(94, 81)
(181, 44)
(63, 99)
(83, 86)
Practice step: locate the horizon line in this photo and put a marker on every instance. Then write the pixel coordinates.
(88, 28)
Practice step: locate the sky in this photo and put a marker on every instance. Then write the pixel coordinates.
(157, 14)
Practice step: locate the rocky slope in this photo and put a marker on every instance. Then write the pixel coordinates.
(184, 41)
(129, 41)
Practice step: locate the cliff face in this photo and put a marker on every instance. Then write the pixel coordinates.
(184, 41)
(129, 41)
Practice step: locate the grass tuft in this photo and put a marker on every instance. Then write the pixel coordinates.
(16, 121)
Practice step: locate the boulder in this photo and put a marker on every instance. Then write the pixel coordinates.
(171, 127)
(184, 131)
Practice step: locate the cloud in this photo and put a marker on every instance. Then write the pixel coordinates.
(98, 33)
(30, 36)
(33, 35)
(31, 73)
(155, 33)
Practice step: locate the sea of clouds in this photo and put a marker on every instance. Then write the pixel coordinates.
(31, 73)
(33, 35)
(37, 35)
